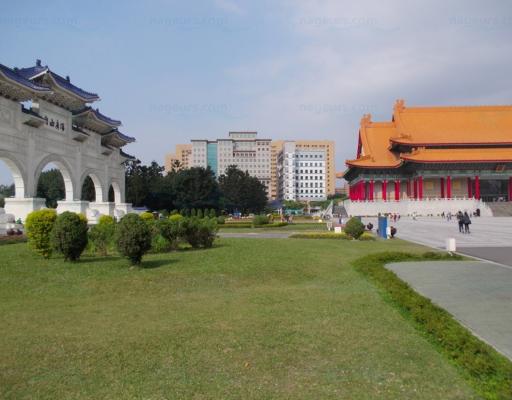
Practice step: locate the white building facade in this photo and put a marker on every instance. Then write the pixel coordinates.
(243, 149)
(301, 174)
(45, 119)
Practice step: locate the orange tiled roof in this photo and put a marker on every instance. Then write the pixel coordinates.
(459, 155)
(452, 125)
(430, 126)
(375, 137)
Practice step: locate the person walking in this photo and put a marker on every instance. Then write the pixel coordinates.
(460, 221)
(467, 222)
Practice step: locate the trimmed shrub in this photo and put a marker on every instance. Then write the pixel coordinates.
(193, 212)
(354, 228)
(69, 235)
(367, 236)
(102, 234)
(147, 217)
(259, 220)
(212, 213)
(160, 244)
(221, 220)
(199, 213)
(133, 238)
(199, 232)
(171, 229)
(321, 235)
(39, 225)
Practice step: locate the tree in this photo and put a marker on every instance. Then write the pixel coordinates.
(242, 192)
(195, 188)
(176, 166)
(5, 191)
(147, 186)
(51, 187)
(69, 235)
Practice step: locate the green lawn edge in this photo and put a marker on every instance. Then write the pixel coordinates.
(489, 372)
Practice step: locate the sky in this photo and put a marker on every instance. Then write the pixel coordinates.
(290, 69)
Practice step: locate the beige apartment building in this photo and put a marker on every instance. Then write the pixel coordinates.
(277, 147)
(203, 152)
(183, 154)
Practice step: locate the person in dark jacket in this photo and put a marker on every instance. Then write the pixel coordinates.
(467, 222)
(460, 221)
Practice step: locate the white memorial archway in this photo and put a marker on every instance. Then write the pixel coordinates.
(45, 119)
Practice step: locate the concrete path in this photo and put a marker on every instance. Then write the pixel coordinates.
(477, 294)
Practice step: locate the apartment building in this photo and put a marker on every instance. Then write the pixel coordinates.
(326, 145)
(182, 154)
(301, 174)
(243, 149)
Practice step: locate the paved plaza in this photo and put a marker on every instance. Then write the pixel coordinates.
(476, 293)
(490, 237)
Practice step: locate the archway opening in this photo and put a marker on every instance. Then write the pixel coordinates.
(91, 189)
(51, 185)
(7, 188)
(111, 195)
(114, 193)
(88, 191)
(12, 183)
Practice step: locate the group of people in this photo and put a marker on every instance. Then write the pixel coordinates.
(464, 221)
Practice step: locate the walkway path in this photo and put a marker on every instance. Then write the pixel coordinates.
(477, 294)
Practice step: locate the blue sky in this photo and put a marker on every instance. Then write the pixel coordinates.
(290, 69)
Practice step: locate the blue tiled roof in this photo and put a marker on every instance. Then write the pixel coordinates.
(35, 71)
(126, 155)
(100, 116)
(127, 139)
(17, 77)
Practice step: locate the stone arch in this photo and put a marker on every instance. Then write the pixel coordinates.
(18, 173)
(99, 188)
(118, 199)
(65, 170)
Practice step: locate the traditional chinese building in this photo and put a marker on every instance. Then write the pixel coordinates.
(432, 159)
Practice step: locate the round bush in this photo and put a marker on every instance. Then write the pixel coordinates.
(147, 216)
(39, 225)
(354, 228)
(69, 235)
(102, 234)
(133, 238)
(259, 220)
(171, 229)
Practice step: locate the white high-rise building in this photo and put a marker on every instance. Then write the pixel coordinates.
(301, 174)
(242, 149)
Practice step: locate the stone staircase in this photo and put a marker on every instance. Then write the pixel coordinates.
(501, 209)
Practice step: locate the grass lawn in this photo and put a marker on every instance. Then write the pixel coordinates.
(225, 323)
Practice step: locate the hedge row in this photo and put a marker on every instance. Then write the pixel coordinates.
(331, 235)
(246, 225)
(487, 370)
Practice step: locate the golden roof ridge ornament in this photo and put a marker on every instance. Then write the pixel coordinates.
(366, 120)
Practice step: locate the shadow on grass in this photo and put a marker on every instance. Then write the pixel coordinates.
(151, 264)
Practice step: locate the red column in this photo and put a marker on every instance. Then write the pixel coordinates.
(442, 188)
(397, 189)
(370, 194)
(477, 187)
(384, 190)
(363, 190)
(420, 187)
(449, 187)
(470, 188)
(415, 188)
(510, 189)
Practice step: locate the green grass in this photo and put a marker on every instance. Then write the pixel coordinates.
(488, 371)
(227, 323)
